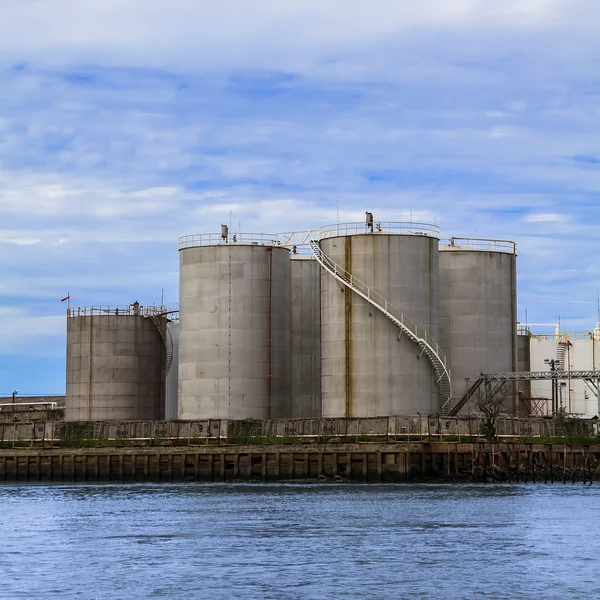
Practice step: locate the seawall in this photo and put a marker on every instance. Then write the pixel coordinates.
(360, 462)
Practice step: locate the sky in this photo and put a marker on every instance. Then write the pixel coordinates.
(125, 124)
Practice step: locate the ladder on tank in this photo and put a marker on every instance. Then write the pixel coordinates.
(419, 335)
(560, 355)
(165, 335)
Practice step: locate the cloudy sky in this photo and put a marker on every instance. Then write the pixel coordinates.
(125, 124)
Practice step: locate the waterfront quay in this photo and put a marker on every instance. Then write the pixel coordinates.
(354, 450)
(366, 462)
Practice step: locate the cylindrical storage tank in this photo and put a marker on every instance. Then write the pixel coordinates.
(234, 327)
(478, 309)
(369, 367)
(115, 365)
(306, 338)
(173, 374)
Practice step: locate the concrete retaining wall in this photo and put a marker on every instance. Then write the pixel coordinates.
(279, 462)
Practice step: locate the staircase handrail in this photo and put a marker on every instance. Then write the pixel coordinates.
(165, 335)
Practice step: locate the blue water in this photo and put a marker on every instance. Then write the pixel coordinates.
(276, 541)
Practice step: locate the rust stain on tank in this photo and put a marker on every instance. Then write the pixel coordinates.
(348, 326)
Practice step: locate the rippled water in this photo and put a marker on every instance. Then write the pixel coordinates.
(299, 541)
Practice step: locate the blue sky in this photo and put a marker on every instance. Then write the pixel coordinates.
(126, 124)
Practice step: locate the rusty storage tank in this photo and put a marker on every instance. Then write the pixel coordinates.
(234, 327)
(478, 308)
(372, 366)
(116, 363)
(306, 337)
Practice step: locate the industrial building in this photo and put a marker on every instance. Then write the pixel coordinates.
(547, 348)
(348, 320)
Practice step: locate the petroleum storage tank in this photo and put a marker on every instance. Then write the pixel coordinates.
(234, 327)
(306, 337)
(369, 367)
(478, 309)
(115, 365)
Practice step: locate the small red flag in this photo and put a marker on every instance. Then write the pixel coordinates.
(65, 298)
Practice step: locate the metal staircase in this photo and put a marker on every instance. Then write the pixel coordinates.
(161, 325)
(419, 335)
(560, 355)
(452, 412)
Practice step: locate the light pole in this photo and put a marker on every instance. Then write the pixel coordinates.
(15, 392)
(562, 386)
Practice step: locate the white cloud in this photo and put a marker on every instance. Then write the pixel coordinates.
(18, 240)
(546, 218)
(296, 34)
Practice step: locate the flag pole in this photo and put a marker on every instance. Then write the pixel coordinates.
(68, 299)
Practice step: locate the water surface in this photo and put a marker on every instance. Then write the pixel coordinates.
(314, 541)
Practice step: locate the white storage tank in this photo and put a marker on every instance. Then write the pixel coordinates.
(234, 327)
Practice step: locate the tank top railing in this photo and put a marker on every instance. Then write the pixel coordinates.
(226, 239)
(480, 244)
(302, 238)
(418, 334)
(134, 309)
(395, 227)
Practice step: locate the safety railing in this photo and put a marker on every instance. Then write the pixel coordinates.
(481, 244)
(294, 238)
(123, 310)
(302, 238)
(564, 336)
(396, 227)
(210, 432)
(216, 239)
